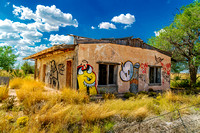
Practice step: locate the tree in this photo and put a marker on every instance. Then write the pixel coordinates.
(27, 68)
(182, 38)
(7, 58)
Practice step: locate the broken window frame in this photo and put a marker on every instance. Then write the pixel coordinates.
(115, 69)
(156, 76)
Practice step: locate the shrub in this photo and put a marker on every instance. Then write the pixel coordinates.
(177, 78)
(129, 94)
(27, 68)
(142, 93)
(31, 92)
(22, 121)
(73, 96)
(16, 83)
(3, 92)
(141, 113)
(107, 96)
(8, 104)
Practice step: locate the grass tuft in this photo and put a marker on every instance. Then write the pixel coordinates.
(3, 92)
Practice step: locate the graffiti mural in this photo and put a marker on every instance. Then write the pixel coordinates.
(130, 73)
(126, 73)
(86, 79)
(54, 73)
(166, 72)
(144, 67)
(158, 59)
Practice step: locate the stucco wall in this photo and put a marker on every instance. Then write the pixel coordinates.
(55, 73)
(115, 53)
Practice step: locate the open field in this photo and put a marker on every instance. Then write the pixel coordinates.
(39, 109)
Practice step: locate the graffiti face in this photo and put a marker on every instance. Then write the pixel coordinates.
(127, 71)
(86, 79)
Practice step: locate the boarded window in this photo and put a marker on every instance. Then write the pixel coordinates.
(155, 75)
(107, 74)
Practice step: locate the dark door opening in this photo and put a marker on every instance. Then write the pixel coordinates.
(69, 74)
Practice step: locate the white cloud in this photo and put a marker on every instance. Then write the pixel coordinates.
(127, 19)
(3, 44)
(24, 12)
(55, 16)
(92, 27)
(25, 36)
(46, 18)
(124, 19)
(60, 39)
(106, 25)
(157, 33)
(17, 33)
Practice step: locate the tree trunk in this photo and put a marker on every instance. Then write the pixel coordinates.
(193, 73)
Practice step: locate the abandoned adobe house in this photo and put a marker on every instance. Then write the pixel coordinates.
(104, 65)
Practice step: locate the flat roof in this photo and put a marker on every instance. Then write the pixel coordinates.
(127, 41)
(61, 47)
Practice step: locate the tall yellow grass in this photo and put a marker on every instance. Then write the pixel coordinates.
(68, 110)
(3, 92)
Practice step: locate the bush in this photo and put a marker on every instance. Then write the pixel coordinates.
(22, 121)
(107, 96)
(31, 92)
(8, 104)
(129, 94)
(16, 83)
(142, 93)
(3, 92)
(73, 96)
(27, 68)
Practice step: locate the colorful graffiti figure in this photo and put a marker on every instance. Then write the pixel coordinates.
(129, 71)
(86, 79)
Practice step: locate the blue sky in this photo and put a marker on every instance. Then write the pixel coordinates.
(30, 26)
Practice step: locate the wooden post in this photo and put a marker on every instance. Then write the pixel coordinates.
(35, 69)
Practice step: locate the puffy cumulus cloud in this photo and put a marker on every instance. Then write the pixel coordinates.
(106, 25)
(18, 33)
(60, 39)
(55, 16)
(24, 12)
(24, 37)
(127, 19)
(157, 33)
(46, 18)
(26, 51)
(124, 19)
(9, 37)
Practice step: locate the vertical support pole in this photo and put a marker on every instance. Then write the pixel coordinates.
(35, 73)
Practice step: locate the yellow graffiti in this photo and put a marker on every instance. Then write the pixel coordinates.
(87, 80)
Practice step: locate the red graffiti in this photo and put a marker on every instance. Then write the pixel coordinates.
(144, 67)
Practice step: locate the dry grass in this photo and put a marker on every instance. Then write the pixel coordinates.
(73, 96)
(3, 92)
(69, 110)
(16, 83)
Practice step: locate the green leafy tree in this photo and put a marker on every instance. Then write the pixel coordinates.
(27, 68)
(7, 58)
(182, 38)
